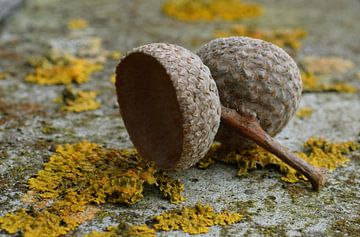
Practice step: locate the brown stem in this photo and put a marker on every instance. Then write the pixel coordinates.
(250, 128)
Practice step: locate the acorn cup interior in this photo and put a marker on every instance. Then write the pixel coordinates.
(150, 109)
(169, 103)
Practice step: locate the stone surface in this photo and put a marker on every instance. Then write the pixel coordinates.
(7, 7)
(276, 208)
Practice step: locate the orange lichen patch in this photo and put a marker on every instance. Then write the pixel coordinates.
(194, 220)
(210, 10)
(327, 65)
(318, 152)
(3, 75)
(304, 112)
(78, 101)
(289, 39)
(77, 24)
(62, 71)
(313, 83)
(125, 230)
(75, 177)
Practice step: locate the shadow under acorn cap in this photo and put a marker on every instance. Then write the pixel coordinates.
(169, 103)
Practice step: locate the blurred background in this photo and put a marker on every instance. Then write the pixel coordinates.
(57, 62)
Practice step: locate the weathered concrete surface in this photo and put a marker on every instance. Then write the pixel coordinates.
(276, 208)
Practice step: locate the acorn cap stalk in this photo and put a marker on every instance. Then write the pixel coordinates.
(251, 129)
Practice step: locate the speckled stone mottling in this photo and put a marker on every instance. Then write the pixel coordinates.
(278, 208)
(257, 79)
(197, 96)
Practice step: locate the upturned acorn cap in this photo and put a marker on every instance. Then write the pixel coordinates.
(255, 78)
(169, 103)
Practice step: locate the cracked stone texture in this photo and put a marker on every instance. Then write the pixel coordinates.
(276, 208)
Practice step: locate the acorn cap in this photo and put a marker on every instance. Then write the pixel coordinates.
(169, 103)
(256, 78)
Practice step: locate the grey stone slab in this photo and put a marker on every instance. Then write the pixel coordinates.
(7, 7)
(276, 208)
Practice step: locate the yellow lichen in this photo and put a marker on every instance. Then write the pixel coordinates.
(75, 177)
(47, 222)
(77, 24)
(125, 230)
(210, 157)
(64, 70)
(313, 83)
(318, 152)
(326, 65)
(113, 78)
(210, 10)
(3, 75)
(289, 39)
(115, 55)
(194, 220)
(304, 112)
(78, 101)
(170, 187)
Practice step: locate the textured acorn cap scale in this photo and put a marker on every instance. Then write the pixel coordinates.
(256, 78)
(260, 88)
(171, 107)
(169, 103)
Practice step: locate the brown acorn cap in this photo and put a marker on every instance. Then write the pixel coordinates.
(256, 78)
(260, 88)
(169, 103)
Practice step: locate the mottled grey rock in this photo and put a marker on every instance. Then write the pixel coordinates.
(333, 31)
